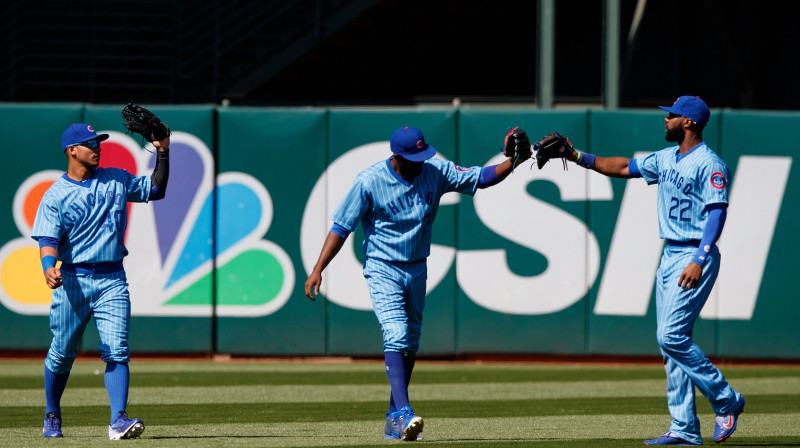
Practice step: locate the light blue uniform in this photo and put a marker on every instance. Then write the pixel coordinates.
(687, 185)
(89, 220)
(397, 217)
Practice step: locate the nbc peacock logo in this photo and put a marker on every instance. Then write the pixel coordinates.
(173, 243)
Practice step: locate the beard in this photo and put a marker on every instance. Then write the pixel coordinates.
(675, 134)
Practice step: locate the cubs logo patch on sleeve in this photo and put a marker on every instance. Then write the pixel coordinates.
(718, 180)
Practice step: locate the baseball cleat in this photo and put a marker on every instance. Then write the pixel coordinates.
(726, 424)
(670, 439)
(125, 428)
(410, 424)
(52, 425)
(391, 430)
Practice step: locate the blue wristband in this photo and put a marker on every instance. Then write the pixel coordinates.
(48, 261)
(488, 177)
(585, 160)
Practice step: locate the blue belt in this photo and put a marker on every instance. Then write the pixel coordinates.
(92, 268)
(690, 243)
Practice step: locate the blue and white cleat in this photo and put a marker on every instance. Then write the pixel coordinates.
(726, 424)
(410, 424)
(392, 430)
(125, 428)
(670, 439)
(52, 425)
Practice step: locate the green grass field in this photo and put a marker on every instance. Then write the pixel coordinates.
(342, 403)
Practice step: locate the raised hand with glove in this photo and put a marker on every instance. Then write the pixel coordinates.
(517, 145)
(139, 120)
(553, 146)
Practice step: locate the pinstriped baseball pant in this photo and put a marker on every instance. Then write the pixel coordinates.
(686, 364)
(104, 296)
(397, 291)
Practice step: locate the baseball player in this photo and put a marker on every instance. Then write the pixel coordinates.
(692, 205)
(396, 201)
(81, 222)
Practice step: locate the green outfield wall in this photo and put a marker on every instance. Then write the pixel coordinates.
(547, 262)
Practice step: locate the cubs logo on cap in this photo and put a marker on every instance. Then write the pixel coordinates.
(80, 133)
(409, 143)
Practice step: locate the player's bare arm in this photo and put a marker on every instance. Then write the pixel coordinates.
(612, 166)
(609, 166)
(333, 243)
(502, 170)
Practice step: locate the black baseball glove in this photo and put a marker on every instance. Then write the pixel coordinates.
(517, 144)
(552, 146)
(141, 121)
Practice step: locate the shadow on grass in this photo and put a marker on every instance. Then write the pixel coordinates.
(208, 437)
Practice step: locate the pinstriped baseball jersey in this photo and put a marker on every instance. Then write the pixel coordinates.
(89, 218)
(397, 216)
(687, 184)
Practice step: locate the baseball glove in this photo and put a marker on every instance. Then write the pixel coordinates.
(552, 146)
(517, 144)
(141, 121)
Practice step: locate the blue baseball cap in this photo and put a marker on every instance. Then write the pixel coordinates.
(690, 107)
(410, 144)
(80, 133)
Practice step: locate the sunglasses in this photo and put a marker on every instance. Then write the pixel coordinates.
(671, 115)
(91, 144)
